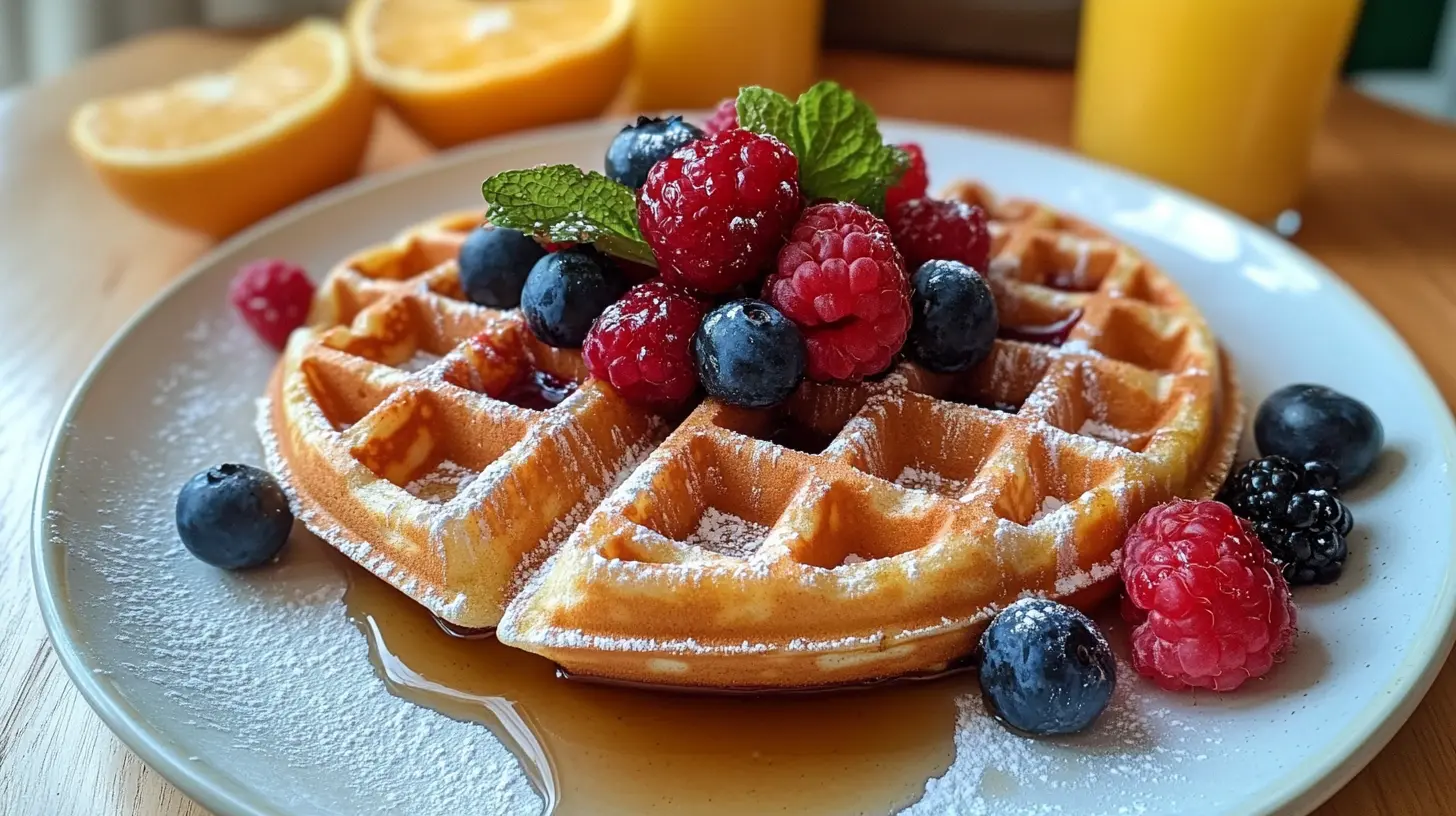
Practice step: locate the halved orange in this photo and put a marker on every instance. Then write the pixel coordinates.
(458, 70)
(216, 152)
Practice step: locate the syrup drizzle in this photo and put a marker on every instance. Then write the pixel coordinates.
(537, 390)
(599, 748)
(1051, 334)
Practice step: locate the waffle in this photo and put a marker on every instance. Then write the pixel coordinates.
(859, 531)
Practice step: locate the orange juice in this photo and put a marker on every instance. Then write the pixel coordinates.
(1220, 97)
(691, 53)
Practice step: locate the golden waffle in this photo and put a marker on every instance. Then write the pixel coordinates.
(857, 532)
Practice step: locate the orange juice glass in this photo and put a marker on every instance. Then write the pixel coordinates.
(1219, 97)
(692, 53)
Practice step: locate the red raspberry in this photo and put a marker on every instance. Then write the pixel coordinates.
(911, 185)
(725, 117)
(273, 297)
(842, 281)
(715, 210)
(1216, 611)
(929, 229)
(642, 344)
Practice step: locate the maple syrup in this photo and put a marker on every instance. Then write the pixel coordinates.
(538, 390)
(1051, 334)
(600, 748)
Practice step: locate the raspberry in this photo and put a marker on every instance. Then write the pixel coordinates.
(642, 344)
(273, 297)
(1218, 611)
(725, 117)
(842, 281)
(929, 229)
(715, 210)
(911, 185)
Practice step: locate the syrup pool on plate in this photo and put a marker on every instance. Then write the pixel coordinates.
(595, 748)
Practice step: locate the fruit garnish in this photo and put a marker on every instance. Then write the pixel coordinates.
(494, 262)
(1296, 513)
(1211, 605)
(748, 354)
(216, 152)
(955, 319)
(913, 183)
(1045, 668)
(835, 137)
(929, 229)
(273, 297)
(1305, 422)
(233, 516)
(637, 147)
(642, 344)
(717, 210)
(565, 293)
(1049, 334)
(563, 203)
(537, 390)
(840, 279)
(725, 117)
(459, 70)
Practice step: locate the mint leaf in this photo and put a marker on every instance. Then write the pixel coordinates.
(561, 202)
(836, 138)
(764, 111)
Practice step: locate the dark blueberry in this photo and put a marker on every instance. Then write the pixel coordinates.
(955, 316)
(1320, 475)
(565, 293)
(749, 354)
(637, 147)
(1045, 668)
(494, 263)
(233, 516)
(1305, 422)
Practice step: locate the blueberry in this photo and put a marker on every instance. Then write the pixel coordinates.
(955, 316)
(1045, 668)
(1305, 422)
(494, 263)
(637, 147)
(565, 293)
(233, 516)
(749, 354)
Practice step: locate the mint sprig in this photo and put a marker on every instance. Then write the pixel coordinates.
(561, 202)
(836, 138)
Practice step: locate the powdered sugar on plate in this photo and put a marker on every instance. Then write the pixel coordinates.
(727, 534)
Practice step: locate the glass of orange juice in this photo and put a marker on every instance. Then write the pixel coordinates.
(692, 53)
(1219, 97)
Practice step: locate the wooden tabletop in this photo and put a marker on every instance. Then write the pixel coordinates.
(75, 263)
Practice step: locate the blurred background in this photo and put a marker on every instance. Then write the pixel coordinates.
(1403, 51)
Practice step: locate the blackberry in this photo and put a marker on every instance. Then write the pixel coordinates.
(1296, 511)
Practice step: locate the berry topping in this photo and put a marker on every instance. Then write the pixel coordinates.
(638, 147)
(929, 229)
(494, 263)
(642, 344)
(748, 354)
(1295, 513)
(1050, 334)
(913, 183)
(842, 281)
(537, 390)
(716, 210)
(273, 297)
(1211, 606)
(1045, 668)
(725, 117)
(1304, 422)
(955, 316)
(566, 291)
(233, 516)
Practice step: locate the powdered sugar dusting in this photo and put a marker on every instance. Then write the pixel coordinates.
(727, 534)
(441, 484)
(419, 361)
(1105, 432)
(931, 482)
(1049, 505)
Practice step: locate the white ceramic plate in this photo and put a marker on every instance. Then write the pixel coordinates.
(253, 692)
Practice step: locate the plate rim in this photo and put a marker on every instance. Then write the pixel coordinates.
(1358, 743)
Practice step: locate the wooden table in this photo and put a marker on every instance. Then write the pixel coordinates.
(75, 263)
